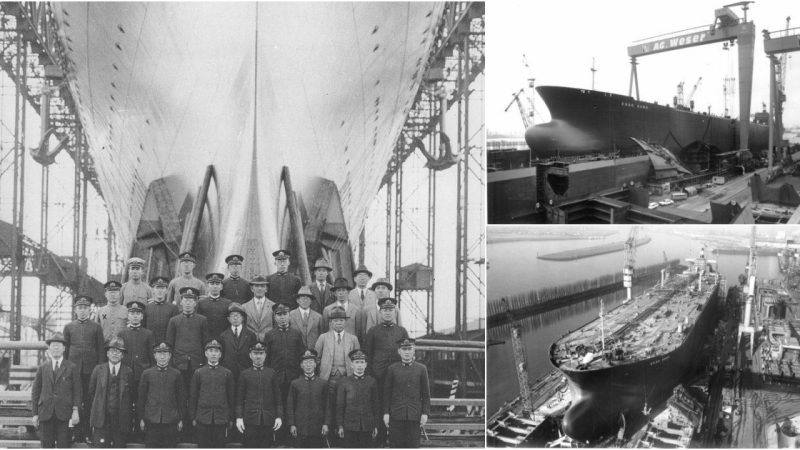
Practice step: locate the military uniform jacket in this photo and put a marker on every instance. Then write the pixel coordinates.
(282, 287)
(139, 343)
(215, 311)
(98, 390)
(55, 394)
(381, 347)
(236, 352)
(307, 405)
(130, 292)
(370, 317)
(162, 396)
(84, 344)
(321, 300)
(113, 319)
(236, 290)
(259, 321)
(187, 335)
(212, 395)
(156, 319)
(258, 397)
(357, 403)
(325, 347)
(406, 392)
(310, 329)
(284, 349)
(179, 282)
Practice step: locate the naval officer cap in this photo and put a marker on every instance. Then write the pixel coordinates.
(280, 308)
(159, 281)
(309, 354)
(162, 347)
(112, 285)
(259, 279)
(187, 256)
(281, 254)
(56, 337)
(135, 262)
(234, 259)
(116, 342)
(382, 282)
(189, 292)
(406, 343)
(357, 354)
(215, 277)
(258, 347)
(83, 300)
(136, 306)
(213, 344)
(387, 303)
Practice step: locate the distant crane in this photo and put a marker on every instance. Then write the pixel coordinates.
(678, 100)
(691, 94)
(526, 109)
(630, 259)
(593, 69)
(520, 362)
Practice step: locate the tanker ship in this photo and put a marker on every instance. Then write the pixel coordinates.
(586, 122)
(629, 359)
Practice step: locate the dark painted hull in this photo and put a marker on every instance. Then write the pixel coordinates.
(601, 395)
(589, 122)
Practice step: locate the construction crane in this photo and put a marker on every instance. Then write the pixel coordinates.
(678, 100)
(630, 259)
(691, 94)
(520, 362)
(526, 109)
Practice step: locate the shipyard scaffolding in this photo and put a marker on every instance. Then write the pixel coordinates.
(40, 130)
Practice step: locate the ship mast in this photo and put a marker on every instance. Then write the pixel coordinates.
(520, 362)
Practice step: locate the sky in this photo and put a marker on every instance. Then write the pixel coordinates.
(560, 39)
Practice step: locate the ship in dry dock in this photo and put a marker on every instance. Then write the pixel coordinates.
(630, 358)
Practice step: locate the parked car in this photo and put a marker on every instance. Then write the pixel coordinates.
(666, 202)
(652, 205)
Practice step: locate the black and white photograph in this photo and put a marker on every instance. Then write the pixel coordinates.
(643, 336)
(684, 112)
(242, 224)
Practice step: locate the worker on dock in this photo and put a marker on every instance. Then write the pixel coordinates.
(370, 312)
(322, 290)
(84, 347)
(307, 410)
(186, 333)
(259, 308)
(187, 261)
(236, 341)
(158, 312)
(213, 306)
(282, 284)
(212, 398)
(235, 288)
(259, 401)
(357, 408)
(406, 398)
(135, 289)
(162, 400)
(113, 316)
(360, 294)
(341, 289)
(284, 346)
(305, 319)
(381, 345)
(112, 400)
(56, 396)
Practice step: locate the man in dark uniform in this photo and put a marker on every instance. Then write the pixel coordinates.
(211, 399)
(214, 307)
(235, 288)
(307, 413)
(322, 290)
(406, 398)
(357, 409)
(139, 344)
(56, 396)
(186, 333)
(282, 284)
(162, 401)
(284, 348)
(159, 311)
(236, 342)
(259, 404)
(84, 348)
(112, 403)
(381, 347)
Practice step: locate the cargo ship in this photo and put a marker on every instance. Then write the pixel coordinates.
(629, 359)
(587, 122)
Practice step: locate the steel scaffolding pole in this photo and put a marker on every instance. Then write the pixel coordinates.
(18, 262)
(398, 224)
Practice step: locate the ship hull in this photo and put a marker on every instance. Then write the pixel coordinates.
(165, 90)
(600, 396)
(591, 122)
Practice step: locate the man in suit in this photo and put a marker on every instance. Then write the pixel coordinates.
(235, 288)
(186, 334)
(340, 289)
(112, 403)
(236, 341)
(361, 294)
(282, 284)
(307, 413)
(305, 319)
(370, 313)
(323, 295)
(162, 401)
(259, 403)
(214, 307)
(333, 348)
(357, 410)
(84, 348)
(56, 396)
(406, 398)
(158, 312)
(259, 309)
(211, 399)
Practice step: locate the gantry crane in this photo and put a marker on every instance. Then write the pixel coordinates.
(778, 43)
(630, 259)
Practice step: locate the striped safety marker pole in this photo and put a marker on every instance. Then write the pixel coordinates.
(453, 390)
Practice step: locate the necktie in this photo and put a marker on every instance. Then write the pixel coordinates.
(362, 295)
(236, 332)
(338, 338)
(56, 366)
(113, 371)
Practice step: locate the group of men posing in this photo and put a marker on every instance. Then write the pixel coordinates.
(307, 366)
